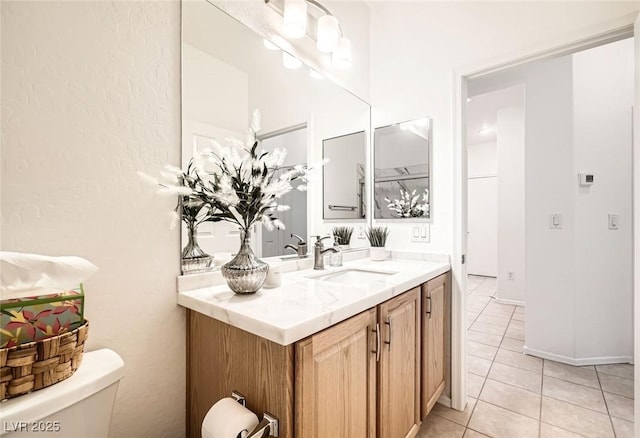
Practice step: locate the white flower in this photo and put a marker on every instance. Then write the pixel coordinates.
(266, 222)
(277, 188)
(278, 224)
(283, 208)
(275, 158)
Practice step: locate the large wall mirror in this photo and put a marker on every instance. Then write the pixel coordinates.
(228, 70)
(402, 170)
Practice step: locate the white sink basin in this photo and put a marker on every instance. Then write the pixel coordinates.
(352, 276)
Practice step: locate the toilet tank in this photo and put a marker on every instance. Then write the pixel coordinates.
(78, 407)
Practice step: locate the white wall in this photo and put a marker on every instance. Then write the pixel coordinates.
(603, 97)
(90, 95)
(482, 160)
(482, 249)
(511, 204)
(577, 119)
(412, 68)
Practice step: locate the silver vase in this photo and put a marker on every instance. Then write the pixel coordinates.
(194, 259)
(245, 273)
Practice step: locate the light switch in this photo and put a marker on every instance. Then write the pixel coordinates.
(555, 221)
(613, 221)
(420, 233)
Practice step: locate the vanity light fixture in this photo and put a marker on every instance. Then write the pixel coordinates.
(295, 18)
(328, 33)
(298, 19)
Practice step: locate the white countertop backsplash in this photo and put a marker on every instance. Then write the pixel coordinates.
(302, 306)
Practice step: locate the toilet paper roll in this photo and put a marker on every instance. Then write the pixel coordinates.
(228, 419)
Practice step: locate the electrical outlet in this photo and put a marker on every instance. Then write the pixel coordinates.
(360, 232)
(510, 276)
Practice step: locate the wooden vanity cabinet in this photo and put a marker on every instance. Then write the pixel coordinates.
(399, 367)
(376, 374)
(435, 323)
(336, 380)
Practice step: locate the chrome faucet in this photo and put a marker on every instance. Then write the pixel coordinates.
(300, 248)
(319, 251)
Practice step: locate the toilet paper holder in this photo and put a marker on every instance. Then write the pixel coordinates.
(268, 426)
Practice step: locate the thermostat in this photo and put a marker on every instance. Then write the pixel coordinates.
(586, 179)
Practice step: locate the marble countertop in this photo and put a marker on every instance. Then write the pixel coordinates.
(302, 306)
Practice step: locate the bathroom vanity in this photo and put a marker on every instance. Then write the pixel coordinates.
(361, 351)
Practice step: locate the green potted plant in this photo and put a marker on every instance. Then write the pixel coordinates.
(377, 238)
(342, 236)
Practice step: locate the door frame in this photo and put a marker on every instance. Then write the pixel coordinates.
(593, 36)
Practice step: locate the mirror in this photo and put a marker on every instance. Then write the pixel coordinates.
(402, 170)
(223, 80)
(344, 176)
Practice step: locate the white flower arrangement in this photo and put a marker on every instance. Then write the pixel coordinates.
(410, 204)
(234, 183)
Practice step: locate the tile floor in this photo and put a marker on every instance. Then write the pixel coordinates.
(512, 395)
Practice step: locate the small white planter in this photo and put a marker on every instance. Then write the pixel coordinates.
(377, 253)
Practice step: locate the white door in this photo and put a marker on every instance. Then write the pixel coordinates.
(482, 243)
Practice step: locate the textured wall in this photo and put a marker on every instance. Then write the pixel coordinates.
(90, 95)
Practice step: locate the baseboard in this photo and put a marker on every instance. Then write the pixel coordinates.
(512, 302)
(604, 360)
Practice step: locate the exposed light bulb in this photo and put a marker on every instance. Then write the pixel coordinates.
(314, 74)
(295, 18)
(269, 45)
(328, 33)
(290, 61)
(485, 130)
(468, 99)
(341, 57)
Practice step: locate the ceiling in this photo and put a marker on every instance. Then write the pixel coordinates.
(482, 111)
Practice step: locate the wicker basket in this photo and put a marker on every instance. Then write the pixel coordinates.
(39, 364)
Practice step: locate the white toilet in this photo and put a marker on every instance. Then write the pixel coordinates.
(78, 407)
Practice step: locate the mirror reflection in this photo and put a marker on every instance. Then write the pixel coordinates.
(344, 176)
(402, 175)
(294, 140)
(223, 81)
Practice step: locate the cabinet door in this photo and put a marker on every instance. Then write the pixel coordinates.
(399, 368)
(336, 380)
(433, 341)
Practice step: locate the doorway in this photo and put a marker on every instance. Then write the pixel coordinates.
(563, 227)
